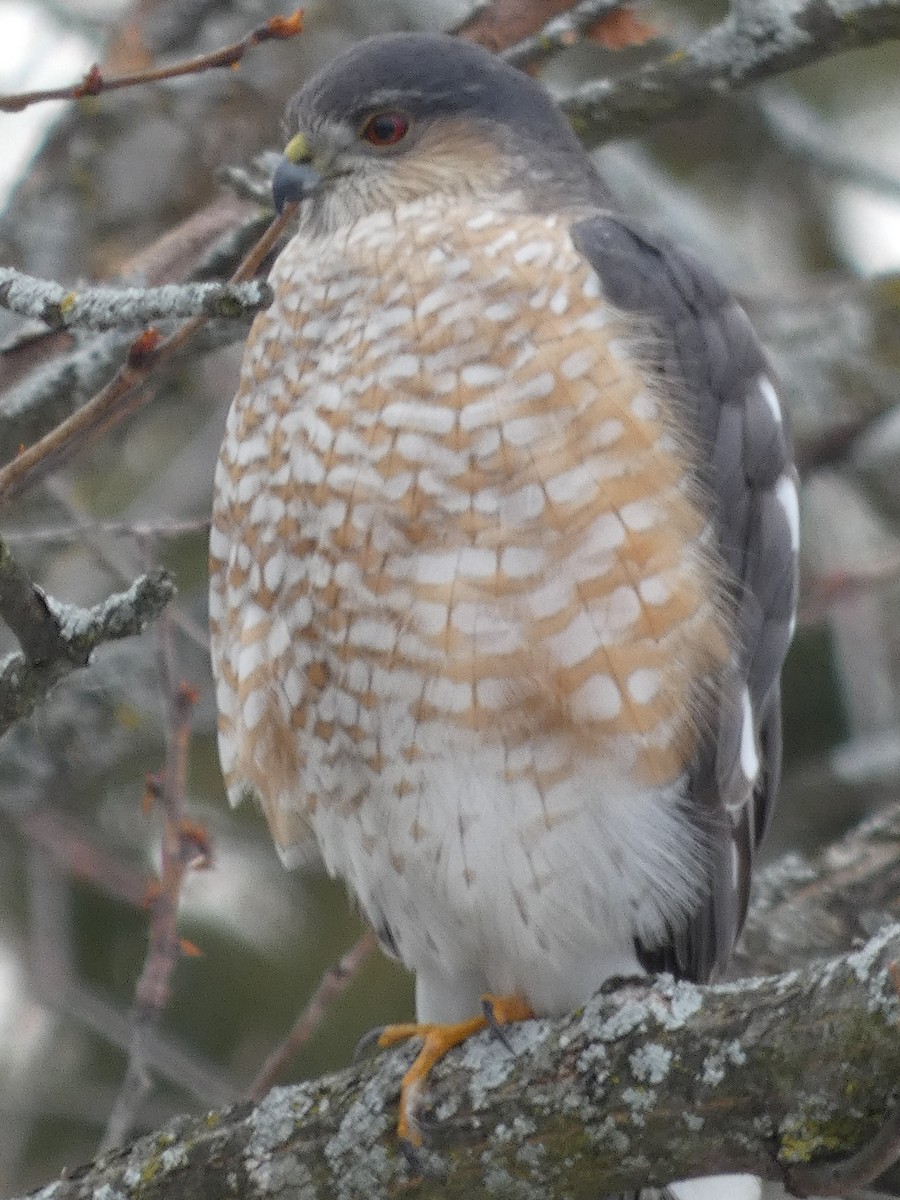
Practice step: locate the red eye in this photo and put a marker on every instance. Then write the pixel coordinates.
(385, 129)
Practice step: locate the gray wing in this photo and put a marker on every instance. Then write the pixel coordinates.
(705, 347)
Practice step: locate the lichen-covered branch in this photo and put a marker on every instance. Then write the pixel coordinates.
(56, 638)
(758, 39)
(807, 908)
(651, 1082)
(127, 391)
(58, 388)
(559, 32)
(112, 308)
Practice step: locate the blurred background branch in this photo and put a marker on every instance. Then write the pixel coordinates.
(758, 39)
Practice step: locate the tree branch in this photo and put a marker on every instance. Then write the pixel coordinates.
(796, 126)
(656, 1081)
(333, 983)
(804, 908)
(59, 388)
(757, 40)
(94, 82)
(559, 32)
(184, 846)
(56, 638)
(117, 308)
(127, 391)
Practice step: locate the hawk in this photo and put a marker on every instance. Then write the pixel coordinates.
(503, 551)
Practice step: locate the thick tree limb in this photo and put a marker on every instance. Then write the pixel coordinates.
(56, 638)
(653, 1082)
(758, 39)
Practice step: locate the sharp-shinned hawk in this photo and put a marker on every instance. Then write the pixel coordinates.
(504, 547)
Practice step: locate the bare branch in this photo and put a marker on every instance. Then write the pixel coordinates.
(77, 853)
(656, 1080)
(497, 24)
(112, 308)
(802, 132)
(57, 389)
(169, 1058)
(94, 83)
(137, 530)
(559, 32)
(757, 40)
(126, 392)
(207, 245)
(25, 610)
(183, 846)
(333, 983)
(57, 638)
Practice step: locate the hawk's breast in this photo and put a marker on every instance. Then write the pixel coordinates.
(454, 520)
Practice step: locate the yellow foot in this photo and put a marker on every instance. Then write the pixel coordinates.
(436, 1041)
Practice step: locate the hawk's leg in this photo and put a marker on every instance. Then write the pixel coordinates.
(436, 1041)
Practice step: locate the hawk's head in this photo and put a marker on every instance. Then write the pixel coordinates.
(403, 116)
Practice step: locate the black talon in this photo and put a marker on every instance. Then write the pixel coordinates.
(487, 1007)
(414, 1160)
(367, 1041)
(615, 982)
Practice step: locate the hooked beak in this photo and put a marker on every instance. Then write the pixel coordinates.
(294, 177)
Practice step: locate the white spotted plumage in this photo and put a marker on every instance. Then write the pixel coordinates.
(480, 608)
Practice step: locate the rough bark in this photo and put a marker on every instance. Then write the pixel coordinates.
(651, 1082)
(57, 638)
(763, 1074)
(758, 39)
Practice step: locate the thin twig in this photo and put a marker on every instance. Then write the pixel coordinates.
(77, 854)
(165, 1055)
(94, 83)
(116, 308)
(183, 847)
(126, 392)
(333, 984)
(120, 565)
(140, 530)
